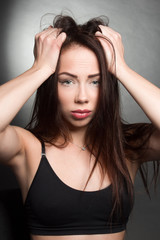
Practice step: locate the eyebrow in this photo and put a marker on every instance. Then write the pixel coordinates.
(75, 76)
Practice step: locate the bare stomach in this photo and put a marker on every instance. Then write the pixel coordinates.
(113, 236)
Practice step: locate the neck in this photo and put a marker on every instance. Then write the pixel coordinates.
(78, 136)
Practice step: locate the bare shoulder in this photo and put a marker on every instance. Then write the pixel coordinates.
(28, 137)
(31, 144)
(11, 144)
(16, 147)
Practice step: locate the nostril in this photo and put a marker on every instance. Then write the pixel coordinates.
(81, 101)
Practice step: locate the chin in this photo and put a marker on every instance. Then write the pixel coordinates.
(77, 124)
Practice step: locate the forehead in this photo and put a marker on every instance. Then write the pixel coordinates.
(79, 60)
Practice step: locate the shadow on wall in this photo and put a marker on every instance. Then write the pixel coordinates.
(6, 9)
(12, 220)
(12, 225)
(7, 179)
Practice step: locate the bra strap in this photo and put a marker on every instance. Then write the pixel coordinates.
(43, 149)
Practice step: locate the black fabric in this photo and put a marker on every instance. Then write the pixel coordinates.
(54, 208)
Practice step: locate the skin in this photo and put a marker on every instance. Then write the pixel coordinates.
(21, 150)
(115, 236)
(81, 90)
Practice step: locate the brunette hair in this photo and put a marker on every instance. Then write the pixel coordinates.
(107, 138)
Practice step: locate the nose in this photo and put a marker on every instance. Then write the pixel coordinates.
(81, 95)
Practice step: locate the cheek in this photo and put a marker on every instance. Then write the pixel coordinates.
(94, 96)
(65, 98)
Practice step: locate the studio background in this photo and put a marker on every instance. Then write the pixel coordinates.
(138, 22)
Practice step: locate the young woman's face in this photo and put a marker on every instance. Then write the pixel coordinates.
(78, 85)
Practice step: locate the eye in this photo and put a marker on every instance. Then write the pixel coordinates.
(95, 82)
(66, 82)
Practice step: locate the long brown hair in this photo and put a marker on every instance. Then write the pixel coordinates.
(107, 138)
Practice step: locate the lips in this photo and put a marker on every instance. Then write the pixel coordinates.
(81, 114)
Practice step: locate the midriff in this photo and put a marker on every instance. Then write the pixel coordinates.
(113, 236)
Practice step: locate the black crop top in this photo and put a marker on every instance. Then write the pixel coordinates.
(53, 208)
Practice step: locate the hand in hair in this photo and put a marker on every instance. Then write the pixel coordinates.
(113, 47)
(47, 48)
(144, 92)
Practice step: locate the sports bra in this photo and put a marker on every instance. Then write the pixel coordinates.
(54, 208)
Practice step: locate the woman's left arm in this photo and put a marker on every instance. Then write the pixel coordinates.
(146, 94)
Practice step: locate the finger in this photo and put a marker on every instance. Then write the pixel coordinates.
(106, 29)
(108, 48)
(110, 33)
(61, 38)
(98, 33)
(106, 32)
(43, 32)
(103, 37)
(55, 33)
(42, 35)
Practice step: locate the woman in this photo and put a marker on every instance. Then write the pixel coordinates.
(76, 161)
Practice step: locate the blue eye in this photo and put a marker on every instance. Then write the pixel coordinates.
(95, 82)
(66, 82)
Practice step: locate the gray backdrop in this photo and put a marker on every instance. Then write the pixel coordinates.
(138, 21)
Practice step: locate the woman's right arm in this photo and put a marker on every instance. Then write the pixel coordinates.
(16, 92)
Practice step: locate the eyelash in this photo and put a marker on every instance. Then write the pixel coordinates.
(65, 82)
(68, 82)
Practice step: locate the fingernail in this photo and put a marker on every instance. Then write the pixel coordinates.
(98, 33)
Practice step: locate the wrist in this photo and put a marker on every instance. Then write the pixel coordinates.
(46, 71)
(122, 70)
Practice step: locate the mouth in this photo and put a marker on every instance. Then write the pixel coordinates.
(81, 114)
